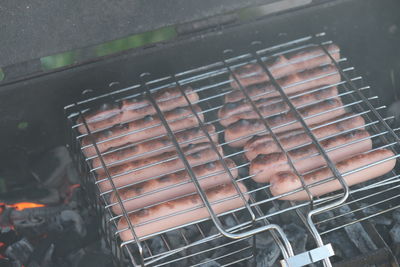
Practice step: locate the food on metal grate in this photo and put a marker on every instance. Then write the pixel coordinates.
(232, 112)
(237, 134)
(182, 211)
(354, 170)
(154, 147)
(171, 186)
(283, 65)
(307, 158)
(145, 128)
(140, 170)
(266, 144)
(291, 84)
(109, 115)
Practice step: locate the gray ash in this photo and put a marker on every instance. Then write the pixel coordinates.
(64, 231)
(60, 230)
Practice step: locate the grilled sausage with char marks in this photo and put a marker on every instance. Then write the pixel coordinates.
(140, 170)
(154, 147)
(148, 127)
(237, 134)
(136, 108)
(223, 198)
(307, 158)
(284, 65)
(285, 182)
(232, 112)
(172, 186)
(291, 84)
(266, 144)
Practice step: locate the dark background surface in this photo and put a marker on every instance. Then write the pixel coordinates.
(31, 29)
(368, 32)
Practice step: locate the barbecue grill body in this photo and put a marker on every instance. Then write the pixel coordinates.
(369, 31)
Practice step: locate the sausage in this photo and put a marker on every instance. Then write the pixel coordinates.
(307, 158)
(223, 198)
(283, 65)
(140, 170)
(154, 147)
(234, 111)
(282, 183)
(110, 114)
(172, 186)
(266, 144)
(145, 128)
(291, 84)
(238, 133)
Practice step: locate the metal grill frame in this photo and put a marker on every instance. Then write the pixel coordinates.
(225, 66)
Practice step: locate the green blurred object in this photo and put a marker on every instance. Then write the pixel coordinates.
(23, 125)
(135, 41)
(59, 60)
(1, 74)
(68, 58)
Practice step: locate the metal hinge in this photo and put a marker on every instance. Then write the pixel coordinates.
(309, 257)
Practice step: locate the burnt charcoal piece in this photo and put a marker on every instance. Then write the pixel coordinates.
(191, 232)
(157, 245)
(31, 193)
(7, 236)
(381, 219)
(395, 233)
(344, 249)
(6, 263)
(326, 220)
(51, 169)
(224, 258)
(344, 214)
(396, 215)
(93, 259)
(360, 238)
(200, 253)
(290, 216)
(32, 226)
(210, 263)
(42, 258)
(297, 237)
(267, 251)
(20, 251)
(76, 219)
(230, 221)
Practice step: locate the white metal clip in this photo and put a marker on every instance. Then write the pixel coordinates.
(309, 257)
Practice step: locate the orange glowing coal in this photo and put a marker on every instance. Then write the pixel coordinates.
(23, 205)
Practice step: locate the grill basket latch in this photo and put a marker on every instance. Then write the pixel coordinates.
(309, 257)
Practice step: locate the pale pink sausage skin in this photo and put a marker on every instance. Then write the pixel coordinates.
(223, 198)
(147, 127)
(285, 182)
(238, 133)
(284, 65)
(232, 112)
(173, 185)
(140, 170)
(307, 158)
(266, 144)
(290, 84)
(109, 115)
(157, 146)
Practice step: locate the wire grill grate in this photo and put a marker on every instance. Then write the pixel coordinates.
(212, 84)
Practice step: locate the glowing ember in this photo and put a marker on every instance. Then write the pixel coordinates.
(23, 205)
